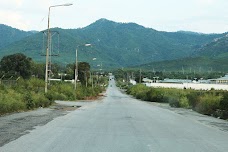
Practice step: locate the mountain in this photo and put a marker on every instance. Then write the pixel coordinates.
(215, 49)
(208, 57)
(189, 64)
(9, 35)
(114, 44)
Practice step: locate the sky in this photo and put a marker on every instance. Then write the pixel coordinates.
(204, 16)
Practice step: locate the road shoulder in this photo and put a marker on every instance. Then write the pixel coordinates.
(13, 126)
(195, 116)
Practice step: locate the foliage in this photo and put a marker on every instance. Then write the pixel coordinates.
(83, 72)
(10, 101)
(29, 94)
(16, 65)
(155, 95)
(208, 103)
(224, 101)
(38, 70)
(205, 102)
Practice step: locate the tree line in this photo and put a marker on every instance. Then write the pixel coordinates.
(20, 66)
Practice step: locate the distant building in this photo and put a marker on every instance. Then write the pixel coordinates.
(146, 80)
(176, 81)
(222, 80)
(133, 82)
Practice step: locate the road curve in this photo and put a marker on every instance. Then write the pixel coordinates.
(121, 124)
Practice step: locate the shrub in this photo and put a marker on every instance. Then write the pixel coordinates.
(40, 100)
(62, 91)
(224, 102)
(155, 95)
(193, 98)
(80, 93)
(174, 102)
(52, 95)
(11, 102)
(28, 100)
(208, 103)
(137, 89)
(177, 97)
(184, 103)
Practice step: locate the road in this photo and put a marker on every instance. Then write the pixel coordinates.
(120, 123)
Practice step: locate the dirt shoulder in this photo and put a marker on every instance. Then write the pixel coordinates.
(12, 126)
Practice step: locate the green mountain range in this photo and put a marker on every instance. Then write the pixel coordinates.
(9, 35)
(209, 57)
(115, 45)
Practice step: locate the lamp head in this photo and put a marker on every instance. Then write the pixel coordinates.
(88, 44)
(67, 4)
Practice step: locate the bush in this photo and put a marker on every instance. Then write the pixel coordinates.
(139, 91)
(173, 102)
(193, 98)
(28, 100)
(83, 92)
(40, 100)
(208, 104)
(29, 94)
(224, 102)
(184, 103)
(11, 102)
(52, 95)
(155, 95)
(177, 97)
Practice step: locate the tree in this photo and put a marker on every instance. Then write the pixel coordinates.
(16, 65)
(69, 70)
(83, 72)
(38, 70)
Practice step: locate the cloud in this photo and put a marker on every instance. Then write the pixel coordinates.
(206, 2)
(11, 4)
(13, 19)
(23, 14)
(18, 2)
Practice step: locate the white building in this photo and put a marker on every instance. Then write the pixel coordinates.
(222, 80)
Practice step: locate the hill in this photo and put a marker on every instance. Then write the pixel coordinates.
(115, 44)
(216, 49)
(189, 65)
(9, 35)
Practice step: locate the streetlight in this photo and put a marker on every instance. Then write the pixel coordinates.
(91, 74)
(48, 43)
(76, 64)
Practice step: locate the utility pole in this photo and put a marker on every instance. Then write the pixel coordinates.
(48, 45)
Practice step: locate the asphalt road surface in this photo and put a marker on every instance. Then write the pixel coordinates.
(120, 123)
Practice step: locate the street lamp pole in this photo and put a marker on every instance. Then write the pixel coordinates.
(76, 65)
(48, 44)
(91, 74)
(76, 69)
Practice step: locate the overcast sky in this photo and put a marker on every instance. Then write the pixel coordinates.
(206, 16)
